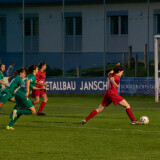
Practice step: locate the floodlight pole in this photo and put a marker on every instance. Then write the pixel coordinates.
(156, 67)
(23, 33)
(148, 6)
(63, 39)
(104, 53)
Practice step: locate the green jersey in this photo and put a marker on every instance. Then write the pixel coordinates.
(14, 84)
(1, 78)
(32, 79)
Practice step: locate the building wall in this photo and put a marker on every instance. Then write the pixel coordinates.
(50, 30)
(14, 30)
(93, 28)
(153, 6)
(137, 27)
(50, 27)
(138, 31)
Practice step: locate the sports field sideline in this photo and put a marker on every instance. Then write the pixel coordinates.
(108, 136)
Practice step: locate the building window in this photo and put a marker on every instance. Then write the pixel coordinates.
(2, 33)
(118, 25)
(73, 32)
(31, 33)
(69, 26)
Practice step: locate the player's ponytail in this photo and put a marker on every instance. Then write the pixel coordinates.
(19, 71)
(41, 64)
(118, 68)
(31, 68)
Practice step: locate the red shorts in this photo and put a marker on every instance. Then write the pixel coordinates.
(109, 98)
(37, 93)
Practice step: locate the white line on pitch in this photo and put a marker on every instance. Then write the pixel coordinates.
(109, 129)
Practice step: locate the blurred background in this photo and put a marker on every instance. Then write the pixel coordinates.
(80, 38)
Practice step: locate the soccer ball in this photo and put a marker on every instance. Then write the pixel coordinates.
(144, 119)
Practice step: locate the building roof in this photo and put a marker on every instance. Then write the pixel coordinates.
(46, 1)
(70, 1)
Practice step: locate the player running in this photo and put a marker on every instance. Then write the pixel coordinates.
(8, 93)
(2, 69)
(41, 75)
(23, 104)
(111, 95)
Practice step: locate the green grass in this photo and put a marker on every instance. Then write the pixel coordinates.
(108, 136)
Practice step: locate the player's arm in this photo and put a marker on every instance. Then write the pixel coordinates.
(4, 83)
(42, 84)
(37, 88)
(113, 81)
(27, 87)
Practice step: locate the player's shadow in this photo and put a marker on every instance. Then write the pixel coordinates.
(69, 116)
(4, 114)
(49, 122)
(57, 122)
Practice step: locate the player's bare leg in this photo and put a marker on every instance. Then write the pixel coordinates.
(125, 104)
(92, 114)
(33, 110)
(1, 105)
(13, 99)
(37, 99)
(45, 99)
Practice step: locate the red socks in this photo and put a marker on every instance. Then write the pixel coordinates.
(41, 106)
(92, 114)
(130, 114)
(128, 111)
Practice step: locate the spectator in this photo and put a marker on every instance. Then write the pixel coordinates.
(9, 71)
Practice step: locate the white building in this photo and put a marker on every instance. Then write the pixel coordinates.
(127, 24)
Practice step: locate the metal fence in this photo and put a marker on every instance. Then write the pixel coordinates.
(70, 36)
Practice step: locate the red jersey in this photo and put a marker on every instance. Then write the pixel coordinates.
(112, 88)
(111, 94)
(40, 78)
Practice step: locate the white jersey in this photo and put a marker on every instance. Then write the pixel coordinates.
(9, 70)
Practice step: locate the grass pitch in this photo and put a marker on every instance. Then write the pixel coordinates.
(108, 136)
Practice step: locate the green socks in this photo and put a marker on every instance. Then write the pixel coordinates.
(25, 112)
(14, 121)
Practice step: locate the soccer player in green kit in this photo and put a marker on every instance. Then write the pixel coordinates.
(2, 69)
(8, 92)
(23, 103)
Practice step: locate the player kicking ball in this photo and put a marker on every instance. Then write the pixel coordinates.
(111, 95)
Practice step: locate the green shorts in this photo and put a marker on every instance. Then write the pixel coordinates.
(22, 101)
(6, 96)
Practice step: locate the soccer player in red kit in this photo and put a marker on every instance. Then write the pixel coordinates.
(111, 95)
(41, 75)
